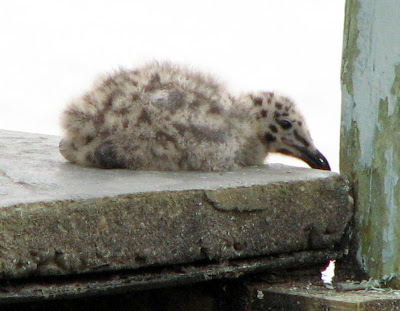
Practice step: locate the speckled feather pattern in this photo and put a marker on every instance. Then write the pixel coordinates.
(163, 116)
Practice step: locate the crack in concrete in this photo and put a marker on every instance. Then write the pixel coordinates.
(15, 182)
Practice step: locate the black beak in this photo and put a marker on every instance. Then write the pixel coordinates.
(314, 158)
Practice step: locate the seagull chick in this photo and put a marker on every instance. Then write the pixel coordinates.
(167, 117)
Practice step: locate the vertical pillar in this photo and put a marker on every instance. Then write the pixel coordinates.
(370, 130)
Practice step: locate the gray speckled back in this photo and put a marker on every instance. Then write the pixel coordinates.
(160, 117)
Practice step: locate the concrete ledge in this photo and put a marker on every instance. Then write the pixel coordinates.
(88, 285)
(61, 219)
(302, 295)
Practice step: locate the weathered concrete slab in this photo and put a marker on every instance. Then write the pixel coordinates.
(60, 219)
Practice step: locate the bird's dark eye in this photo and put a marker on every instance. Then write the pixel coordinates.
(285, 124)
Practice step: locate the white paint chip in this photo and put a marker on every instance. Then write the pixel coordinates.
(329, 273)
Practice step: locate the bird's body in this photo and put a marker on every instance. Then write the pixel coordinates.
(168, 117)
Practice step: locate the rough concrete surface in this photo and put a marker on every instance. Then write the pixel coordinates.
(61, 219)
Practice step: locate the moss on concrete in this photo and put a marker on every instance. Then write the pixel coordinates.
(378, 195)
(375, 179)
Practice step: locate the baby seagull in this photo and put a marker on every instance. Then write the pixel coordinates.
(167, 117)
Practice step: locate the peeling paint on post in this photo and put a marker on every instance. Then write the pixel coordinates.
(370, 130)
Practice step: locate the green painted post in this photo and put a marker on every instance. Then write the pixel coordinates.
(370, 130)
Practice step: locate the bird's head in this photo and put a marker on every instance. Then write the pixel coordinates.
(281, 127)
